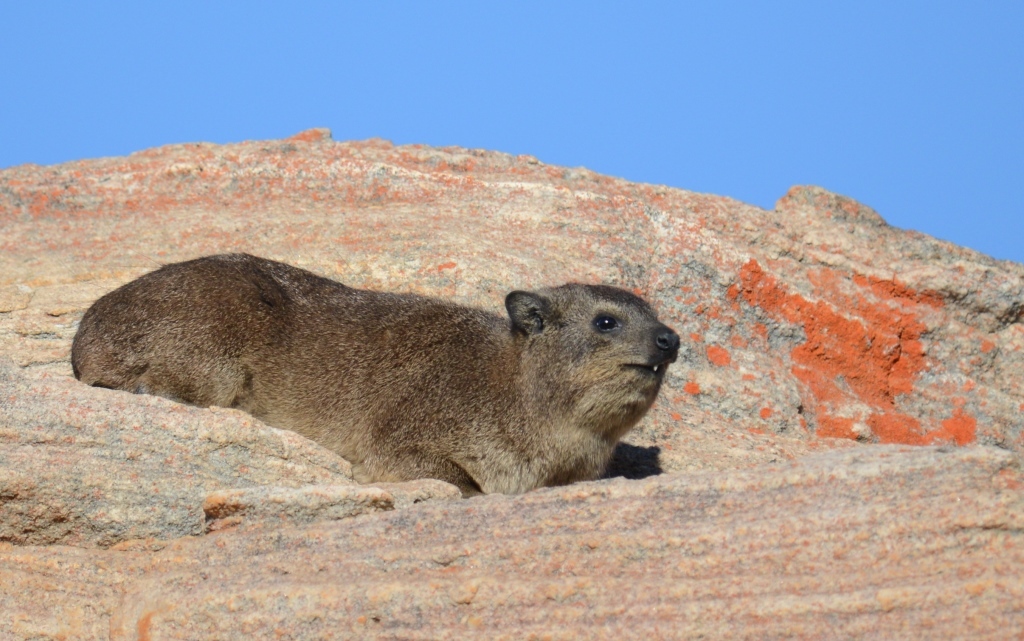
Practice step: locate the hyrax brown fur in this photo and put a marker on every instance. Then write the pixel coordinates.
(402, 386)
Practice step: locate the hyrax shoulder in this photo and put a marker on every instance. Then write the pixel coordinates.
(403, 386)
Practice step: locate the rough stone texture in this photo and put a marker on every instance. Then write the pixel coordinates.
(814, 326)
(812, 320)
(85, 466)
(280, 505)
(875, 542)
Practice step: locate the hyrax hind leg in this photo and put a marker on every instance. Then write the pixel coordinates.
(178, 374)
(220, 382)
(409, 466)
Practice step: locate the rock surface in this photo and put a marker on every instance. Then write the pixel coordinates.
(813, 320)
(810, 332)
(877, 542)
(85, 466)
(288, 506)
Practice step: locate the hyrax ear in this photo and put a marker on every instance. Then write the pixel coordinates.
(529, 311)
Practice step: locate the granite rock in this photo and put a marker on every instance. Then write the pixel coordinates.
(310, 503)
(881, 541)
(85, 466)
(800, 325)
(835, 454)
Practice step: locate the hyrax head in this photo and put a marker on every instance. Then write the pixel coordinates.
(604, 347)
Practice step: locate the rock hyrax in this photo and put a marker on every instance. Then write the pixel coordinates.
(402, 386)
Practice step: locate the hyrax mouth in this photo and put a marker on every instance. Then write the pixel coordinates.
(657, 369)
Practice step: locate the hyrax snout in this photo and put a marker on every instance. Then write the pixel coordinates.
(403, 386)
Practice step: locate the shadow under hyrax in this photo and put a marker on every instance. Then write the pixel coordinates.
(400, 385)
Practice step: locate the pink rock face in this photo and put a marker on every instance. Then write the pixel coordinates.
(814, 326)
(91, 467)
(815, 320)
(864, 543)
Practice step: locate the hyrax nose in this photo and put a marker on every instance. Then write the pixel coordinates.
(667, 341)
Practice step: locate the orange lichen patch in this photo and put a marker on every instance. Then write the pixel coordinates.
(893, 427)
(766, 413)
(737, 341)
(749, 377)
(987, 346)
(960, 428)
(719, 356)
(676, 416)
(872, 350)
(755, 430)
(761, 330)
(834, 427)
(448, 265)
(696, 338)
(311, 135)
(691, 388)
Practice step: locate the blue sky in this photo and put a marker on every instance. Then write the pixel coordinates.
(914, 108)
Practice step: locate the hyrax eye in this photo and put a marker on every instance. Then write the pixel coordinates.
(606, 323)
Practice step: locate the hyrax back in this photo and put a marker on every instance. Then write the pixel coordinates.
(402, 386)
